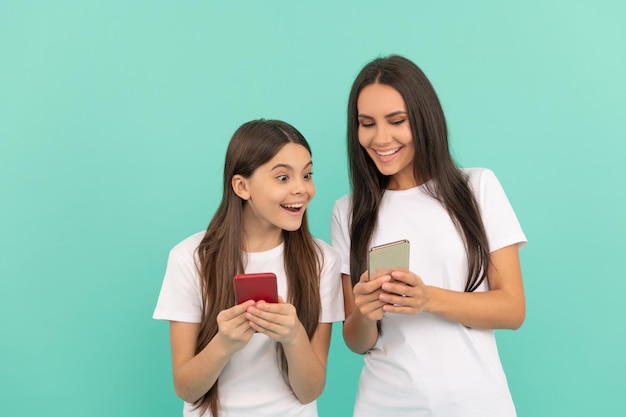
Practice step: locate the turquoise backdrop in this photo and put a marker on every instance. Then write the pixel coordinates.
(115, 115)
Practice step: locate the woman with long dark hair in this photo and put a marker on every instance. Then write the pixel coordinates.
(254, 358)
(427, 332)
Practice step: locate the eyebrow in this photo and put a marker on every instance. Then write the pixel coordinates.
(287, 166)
(395, 113)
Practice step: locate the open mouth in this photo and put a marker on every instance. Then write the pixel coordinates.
(294, 208)
(388, 153)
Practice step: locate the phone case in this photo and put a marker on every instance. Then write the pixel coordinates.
(257, 286)
(389, 255)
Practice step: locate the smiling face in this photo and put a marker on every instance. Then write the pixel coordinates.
(277, 193)
(385, 133)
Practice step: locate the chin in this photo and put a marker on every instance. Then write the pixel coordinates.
(292, 227)
(387, 172)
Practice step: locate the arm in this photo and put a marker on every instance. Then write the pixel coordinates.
(307, 363)
(363, 309)
(502, 307)
(195, 374)
(306, 359)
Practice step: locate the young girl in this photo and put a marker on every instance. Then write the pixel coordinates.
(426, 332)
(254, 358)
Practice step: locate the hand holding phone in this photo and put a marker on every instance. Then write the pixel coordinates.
(258, 287)
(388, 256)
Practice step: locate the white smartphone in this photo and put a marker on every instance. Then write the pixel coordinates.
(388, 256)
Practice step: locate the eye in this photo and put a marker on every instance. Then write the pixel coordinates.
(366, 123)
(397, 122)
(282, 178)
(308, 176)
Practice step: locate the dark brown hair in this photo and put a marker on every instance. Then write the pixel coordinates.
(432, 162)
(221, 251)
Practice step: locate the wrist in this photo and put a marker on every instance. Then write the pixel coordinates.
(297, 339)
(361, 320)
(431, 304)
(223, 346)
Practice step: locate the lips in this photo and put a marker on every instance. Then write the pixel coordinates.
(388, 152)
(293, 207)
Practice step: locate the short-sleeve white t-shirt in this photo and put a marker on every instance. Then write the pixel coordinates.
(424, 365)
(251, 383)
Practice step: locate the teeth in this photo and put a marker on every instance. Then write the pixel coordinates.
(293, 206)
(387, 153)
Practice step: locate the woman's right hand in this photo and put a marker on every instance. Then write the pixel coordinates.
(367, 295)
(233, 328)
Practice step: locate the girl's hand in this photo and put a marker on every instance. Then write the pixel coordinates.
(233, 328)
(405, 293)
(278, 321)
(367, 296)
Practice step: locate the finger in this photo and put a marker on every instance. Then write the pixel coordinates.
(406, 277)
(269, 332)
(371, 286)
(242, 329)
(262, 325)
(279, 309)
(373, 311)
(265, 313)
(380, 272)
(399, 288)
(364, 277)
(402, 276)
(237, 309)
(399, 309)
(396, 299)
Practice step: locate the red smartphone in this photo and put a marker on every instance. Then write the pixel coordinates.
(258, 286)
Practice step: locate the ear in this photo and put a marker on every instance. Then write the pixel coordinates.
(240, 187)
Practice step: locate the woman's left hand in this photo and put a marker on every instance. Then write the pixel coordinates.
(278, 321)
(405, 293)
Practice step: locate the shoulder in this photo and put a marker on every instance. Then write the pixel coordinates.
(327, 251)
(481, 179)
(342, 207)
(187, 247)
(344, 202)
(476, 174)
(329, 255)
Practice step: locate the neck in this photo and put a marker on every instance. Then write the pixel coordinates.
(262, 243)
(256, 239)
(403, 182)
(259, 236)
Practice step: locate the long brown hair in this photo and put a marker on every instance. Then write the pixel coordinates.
(432, 161)
(220, 253)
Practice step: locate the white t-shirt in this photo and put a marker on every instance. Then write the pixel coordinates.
(251, 383)
(424, 365)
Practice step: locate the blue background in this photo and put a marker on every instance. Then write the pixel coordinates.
(114, 119)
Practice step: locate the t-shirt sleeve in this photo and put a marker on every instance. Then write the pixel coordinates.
(180, 298)
(331, 291)
(501, 224)
(340, 232)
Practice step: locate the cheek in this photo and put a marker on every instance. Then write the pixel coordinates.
(311, 191)
(408, 135)
(363, 137)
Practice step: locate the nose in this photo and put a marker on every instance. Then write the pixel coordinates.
(303, 186)
(298, 187)
(382, 137)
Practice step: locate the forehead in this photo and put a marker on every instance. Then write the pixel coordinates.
(291, 156)
(380, 97)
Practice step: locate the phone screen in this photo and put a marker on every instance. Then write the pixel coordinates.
(388, 256)
(257, 287)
